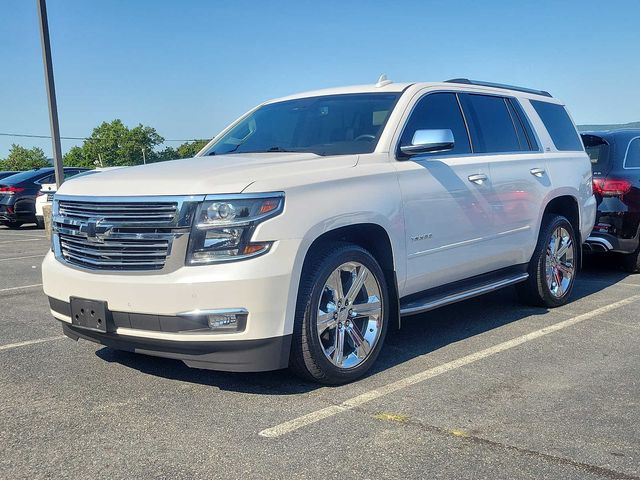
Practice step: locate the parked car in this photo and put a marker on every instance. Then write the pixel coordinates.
(18, 194)
(7, 174)
(300, 234)
(615, 160)
(47, 190)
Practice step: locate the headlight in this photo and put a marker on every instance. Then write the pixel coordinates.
(223, 227)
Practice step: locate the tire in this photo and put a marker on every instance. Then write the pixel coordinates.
(631, 262)
(311, 355)
(13, 225)
(538, 290)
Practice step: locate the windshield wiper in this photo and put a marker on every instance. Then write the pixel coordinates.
(278, 149)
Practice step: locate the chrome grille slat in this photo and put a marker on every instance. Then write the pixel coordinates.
(119, 235)
(106, 253)
(113, 263)
(130, 212)
(82, 242)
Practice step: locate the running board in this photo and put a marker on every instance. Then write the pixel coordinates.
(432, 301)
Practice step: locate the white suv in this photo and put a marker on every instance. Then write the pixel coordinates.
(301, 233)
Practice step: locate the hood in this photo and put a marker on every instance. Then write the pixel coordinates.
(201, 175)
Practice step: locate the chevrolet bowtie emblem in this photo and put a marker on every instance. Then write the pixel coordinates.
(94, 231)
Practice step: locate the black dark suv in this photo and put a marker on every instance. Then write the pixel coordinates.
(615, 161)
(18, 194)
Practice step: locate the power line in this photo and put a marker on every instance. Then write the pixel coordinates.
(27, 135)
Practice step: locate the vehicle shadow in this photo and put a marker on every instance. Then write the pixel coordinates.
(419, 335)
(22, 228)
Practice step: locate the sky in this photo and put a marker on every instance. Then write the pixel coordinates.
(190, 67)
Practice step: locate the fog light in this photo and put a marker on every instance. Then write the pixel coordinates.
(222, 320)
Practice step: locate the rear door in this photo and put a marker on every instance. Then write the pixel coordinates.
(501, 133)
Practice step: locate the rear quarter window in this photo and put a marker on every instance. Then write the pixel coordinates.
(559, 125)
(632, 158)
(598, 150)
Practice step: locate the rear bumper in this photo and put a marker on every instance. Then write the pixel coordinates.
(9, 214)
(605, 242)
(230, 356)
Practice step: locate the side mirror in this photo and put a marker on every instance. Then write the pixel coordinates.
(429, 141)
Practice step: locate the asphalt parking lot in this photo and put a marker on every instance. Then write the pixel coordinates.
(483, 389)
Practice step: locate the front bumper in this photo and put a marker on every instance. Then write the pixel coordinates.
(232, 356)
(263, 286)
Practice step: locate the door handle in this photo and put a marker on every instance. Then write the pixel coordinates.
(478, 178)
(537, 172)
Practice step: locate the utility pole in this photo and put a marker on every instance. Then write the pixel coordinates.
(144, 157)
(51, 92)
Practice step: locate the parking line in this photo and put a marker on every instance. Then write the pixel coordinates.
(30, 235)
(313, 417)
(20, 258)
(31, 342)
(20, 288)
(25, 240)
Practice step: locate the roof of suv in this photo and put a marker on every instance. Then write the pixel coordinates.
(391, 87)
(621, 134)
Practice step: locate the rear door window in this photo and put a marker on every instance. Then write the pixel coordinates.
(491, 124)
(437, 111)
(559, 125)
(632, 159)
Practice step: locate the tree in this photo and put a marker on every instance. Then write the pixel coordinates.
(21, 158)
(114, 144)
(189, 149)
(169, 153)
(75, 158)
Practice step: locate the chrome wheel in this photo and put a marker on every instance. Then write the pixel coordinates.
(560, 265)
(349, 320)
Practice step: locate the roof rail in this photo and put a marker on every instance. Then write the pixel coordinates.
(466, 81)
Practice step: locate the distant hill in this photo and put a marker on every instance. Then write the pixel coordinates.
(585, 128)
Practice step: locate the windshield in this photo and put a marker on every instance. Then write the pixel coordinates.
(328, 125)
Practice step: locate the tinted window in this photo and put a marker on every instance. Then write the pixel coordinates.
(524, 120)
(633, 154)
(522, 136)
(490, 124)
(598, 150)
(29, 175)
(438, 111)
(48, 179)
(327, 125)
(559, 125)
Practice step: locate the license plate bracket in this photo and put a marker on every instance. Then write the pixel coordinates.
(90, 314)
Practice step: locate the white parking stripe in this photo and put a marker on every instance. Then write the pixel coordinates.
(20, 288)
(323, 413)
(29, 235)
(24, 240)
(20, 258)
(30, 342)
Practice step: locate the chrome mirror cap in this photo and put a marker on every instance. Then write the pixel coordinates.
(429, 141)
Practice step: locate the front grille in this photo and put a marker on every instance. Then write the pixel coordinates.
(129, 212)
(117, 254)
(127, 234)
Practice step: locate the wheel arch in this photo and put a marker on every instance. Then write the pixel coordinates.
(374, 238)
(567, 205)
